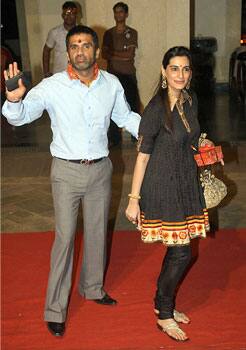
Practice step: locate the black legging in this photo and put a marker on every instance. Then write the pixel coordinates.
(174, 265)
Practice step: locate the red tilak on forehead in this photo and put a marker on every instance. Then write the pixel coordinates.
(79, 41)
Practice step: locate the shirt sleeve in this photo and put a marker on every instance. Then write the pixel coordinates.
(122, 114)
(134, 38)
(27, 110)
(51, 41)
(149, 129)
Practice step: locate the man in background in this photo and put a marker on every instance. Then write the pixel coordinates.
(56, 40)
(119, 45)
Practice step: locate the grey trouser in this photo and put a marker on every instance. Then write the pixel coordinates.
(72, 183)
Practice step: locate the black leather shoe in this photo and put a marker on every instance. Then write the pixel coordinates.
(56, 329)
(106, 300)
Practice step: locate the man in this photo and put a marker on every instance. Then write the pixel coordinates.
(119, 45)
(57, 40)
(80, 103)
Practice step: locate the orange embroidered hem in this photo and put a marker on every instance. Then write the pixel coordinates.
(174, 233)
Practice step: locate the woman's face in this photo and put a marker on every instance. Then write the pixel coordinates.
(178, 73)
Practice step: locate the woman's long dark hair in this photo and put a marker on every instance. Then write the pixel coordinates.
(171, 53)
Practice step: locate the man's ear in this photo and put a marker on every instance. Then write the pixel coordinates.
(68, 59)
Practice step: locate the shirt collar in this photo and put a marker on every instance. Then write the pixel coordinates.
(184, 96)
(74, 76)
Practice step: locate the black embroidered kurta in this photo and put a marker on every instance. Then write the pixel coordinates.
(172, 203)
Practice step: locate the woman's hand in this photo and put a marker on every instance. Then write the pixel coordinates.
(133, 212)
(207, 142)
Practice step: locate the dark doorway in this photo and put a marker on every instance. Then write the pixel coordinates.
(9, 29)
(243, 23)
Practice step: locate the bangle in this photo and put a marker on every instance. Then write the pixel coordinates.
(134, 196)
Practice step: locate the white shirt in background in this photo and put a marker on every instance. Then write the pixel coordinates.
(56, 40)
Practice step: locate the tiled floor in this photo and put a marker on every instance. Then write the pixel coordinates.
(26, 197)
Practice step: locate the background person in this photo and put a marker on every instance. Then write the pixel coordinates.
(165, 185)
(56, 40)
(119, 45)
(80, 102)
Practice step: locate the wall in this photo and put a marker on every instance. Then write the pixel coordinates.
(160, 25)
(40, 16)
(220, 19)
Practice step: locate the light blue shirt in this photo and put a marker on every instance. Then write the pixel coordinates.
(80, 115)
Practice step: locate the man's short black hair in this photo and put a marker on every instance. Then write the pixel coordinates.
(122, 5)
(80, 29)
(69, 5)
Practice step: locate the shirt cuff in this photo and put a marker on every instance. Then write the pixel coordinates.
(13, 106)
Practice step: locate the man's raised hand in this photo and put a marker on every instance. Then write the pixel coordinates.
(16, 94)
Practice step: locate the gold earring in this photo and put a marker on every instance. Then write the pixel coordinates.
(164, 82)
(188, 84)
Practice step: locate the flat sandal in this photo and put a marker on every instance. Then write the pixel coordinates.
(179, 317)
(172, 326)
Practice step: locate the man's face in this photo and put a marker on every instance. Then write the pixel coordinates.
(69, 16)
(120, 15)
(81, 52)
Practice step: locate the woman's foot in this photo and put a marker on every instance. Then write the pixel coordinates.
(172, 329)
(178, 316)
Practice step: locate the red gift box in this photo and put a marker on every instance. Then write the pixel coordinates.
(208, 155)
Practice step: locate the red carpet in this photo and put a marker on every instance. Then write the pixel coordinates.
(213, 295)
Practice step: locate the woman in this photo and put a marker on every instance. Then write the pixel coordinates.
(165, 182)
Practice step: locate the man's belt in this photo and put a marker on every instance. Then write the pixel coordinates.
(83, 161)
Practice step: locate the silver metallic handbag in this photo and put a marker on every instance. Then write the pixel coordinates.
(214, 190)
